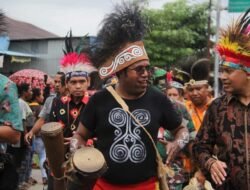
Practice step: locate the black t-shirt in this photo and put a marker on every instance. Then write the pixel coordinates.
(129, 153)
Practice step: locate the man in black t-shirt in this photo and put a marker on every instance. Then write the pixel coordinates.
(128, 151)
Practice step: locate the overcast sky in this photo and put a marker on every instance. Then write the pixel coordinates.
(58, 16)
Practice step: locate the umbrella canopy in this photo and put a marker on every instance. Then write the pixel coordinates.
(31, 76)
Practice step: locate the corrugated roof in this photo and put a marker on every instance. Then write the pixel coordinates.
(15, 53)
(18, 30)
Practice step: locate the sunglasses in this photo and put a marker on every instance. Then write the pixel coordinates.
(140, 69)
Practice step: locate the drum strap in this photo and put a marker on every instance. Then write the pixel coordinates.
(162, 170)
(69, 170)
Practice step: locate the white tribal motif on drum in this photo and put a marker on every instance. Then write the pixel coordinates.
(127, 142)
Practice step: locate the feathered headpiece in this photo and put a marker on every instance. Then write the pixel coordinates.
(199, 73)
(234, 44)
(119, 42)
(177, 78)
(75, 63)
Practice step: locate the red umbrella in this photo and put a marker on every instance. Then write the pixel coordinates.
(30, 76)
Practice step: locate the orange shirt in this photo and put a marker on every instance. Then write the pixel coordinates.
(196, 113)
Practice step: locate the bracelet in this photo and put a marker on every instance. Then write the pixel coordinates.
(214, 159)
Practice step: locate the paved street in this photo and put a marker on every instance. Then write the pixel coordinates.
(36, 174)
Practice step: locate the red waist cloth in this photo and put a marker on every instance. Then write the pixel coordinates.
(151, 184)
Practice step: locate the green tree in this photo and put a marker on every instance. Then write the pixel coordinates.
(176, 31)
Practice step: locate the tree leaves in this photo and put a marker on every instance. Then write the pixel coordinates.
(177, 30)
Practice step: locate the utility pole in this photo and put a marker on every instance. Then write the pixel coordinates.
(209, 28)
(216, 65)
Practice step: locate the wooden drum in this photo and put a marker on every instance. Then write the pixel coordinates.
(85, 166)
(52, 135)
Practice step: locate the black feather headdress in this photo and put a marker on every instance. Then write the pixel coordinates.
(75, 61)
(200, 69)
(68, 43)
(120, 30)
(81, 46)
(200, 72)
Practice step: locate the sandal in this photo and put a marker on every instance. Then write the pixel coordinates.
(32, 181)
(45, 181)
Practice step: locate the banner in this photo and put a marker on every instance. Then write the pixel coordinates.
(238, 5)
(20, 59)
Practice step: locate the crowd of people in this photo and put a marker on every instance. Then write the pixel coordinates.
(156, 129)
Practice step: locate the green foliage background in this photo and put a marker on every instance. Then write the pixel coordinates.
(176, 31)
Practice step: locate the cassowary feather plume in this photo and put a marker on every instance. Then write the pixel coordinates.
(126, 24)
(81, 47)
(75, 59)
(68, 43)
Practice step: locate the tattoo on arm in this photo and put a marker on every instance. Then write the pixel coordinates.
(183, 139)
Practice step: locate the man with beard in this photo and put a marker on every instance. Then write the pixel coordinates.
(222, 144)
(129, 153)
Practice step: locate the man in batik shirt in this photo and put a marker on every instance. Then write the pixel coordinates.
(222, 145)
